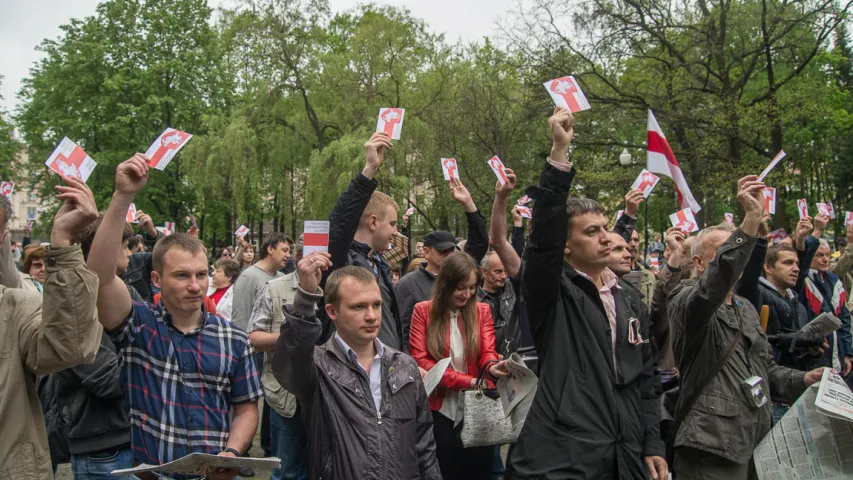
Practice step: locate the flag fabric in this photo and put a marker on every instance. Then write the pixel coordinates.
(662, 161)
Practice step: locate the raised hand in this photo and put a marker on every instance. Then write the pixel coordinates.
(562, 133)
(820, 223)
(132, 175)
(505, 189)
(374, 151)
(517, 219)
(633, 199)
(764, 227)
(145, 223)
(311, 269)
(461, 195)
(78, 210)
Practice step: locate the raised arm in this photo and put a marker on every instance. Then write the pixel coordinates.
(67, 332)
(114, 302)
(478, 238)
(497, 232)
(747, 286)
(345, 216)
(670, 276)
(625, 224)
(150, 234)
(806, 246)
(517, 235)
(540, 278)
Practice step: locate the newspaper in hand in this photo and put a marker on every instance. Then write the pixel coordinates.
(518, 386)
(821, 326)
(200, 464)
(834, 397)
(433, 377)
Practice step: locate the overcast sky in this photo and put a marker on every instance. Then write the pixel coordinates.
(24, 24)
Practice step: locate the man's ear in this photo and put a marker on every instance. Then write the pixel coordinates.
(331, 311)
(155, 279)
(371, 223)
(697, 263)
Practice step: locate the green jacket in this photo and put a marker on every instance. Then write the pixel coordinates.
(722, 421)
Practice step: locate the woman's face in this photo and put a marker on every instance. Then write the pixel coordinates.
(248, 255)
(220, 280)
(464, 291)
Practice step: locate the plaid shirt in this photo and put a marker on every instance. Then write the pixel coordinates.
(179, 388)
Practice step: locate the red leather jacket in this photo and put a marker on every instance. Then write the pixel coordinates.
(452, 380)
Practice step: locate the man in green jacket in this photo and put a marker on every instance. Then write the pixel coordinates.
(724, 424)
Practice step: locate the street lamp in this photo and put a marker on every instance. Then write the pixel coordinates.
(625, 158)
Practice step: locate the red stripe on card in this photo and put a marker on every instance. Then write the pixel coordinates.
(316, 239)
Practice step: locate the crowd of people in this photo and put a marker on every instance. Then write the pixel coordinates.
(121, 349)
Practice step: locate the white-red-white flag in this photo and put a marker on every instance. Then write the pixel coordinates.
(662, 161)
(777, 236)
(130, 217)
(523, 200)
(526, 212)
(769, 194)
(684, 221)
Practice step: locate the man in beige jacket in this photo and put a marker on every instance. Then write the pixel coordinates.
(41, 335)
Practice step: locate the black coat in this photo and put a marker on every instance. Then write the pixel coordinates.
(588, 420)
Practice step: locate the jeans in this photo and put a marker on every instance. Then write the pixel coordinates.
(289, 443)
(779, 410)
(98, 465)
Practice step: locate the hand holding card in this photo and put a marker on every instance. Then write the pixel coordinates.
(566, 93)
(684, 221)
(645, 182)
(391, 122)
(498, 167)
(316, 237)
(449, 168)
(70, 160)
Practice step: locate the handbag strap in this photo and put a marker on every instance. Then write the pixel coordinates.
(483, 372)
(685, 408)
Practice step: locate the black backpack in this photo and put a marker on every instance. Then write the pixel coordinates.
(56, 419)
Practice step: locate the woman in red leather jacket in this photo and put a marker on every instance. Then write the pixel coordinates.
(453, 324)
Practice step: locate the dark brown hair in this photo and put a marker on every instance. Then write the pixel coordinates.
(185, 242)
(32, 254)
(333, 285)
(229, 267)
(455, 269)
(774, 251)
(87, 236)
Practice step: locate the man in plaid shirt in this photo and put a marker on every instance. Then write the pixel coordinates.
(186, 371)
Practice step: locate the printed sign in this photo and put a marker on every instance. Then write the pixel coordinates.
(410, 211)
(848, 218)
(316, 237)
(777, 236)
(645, 182)
(566, 93)
(391, 122)
(450, 169)
(164, 149)
(769, 200)
(684, 221)
(778, 158)
(523, 200)
(826, 209)
(729, 217)
(6, 188)
(130, 217)
(242, 231)
(70, 160)
(803, 208)
(525, 212)
(498, 167)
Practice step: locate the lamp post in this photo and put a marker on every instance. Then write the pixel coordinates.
(625, 158)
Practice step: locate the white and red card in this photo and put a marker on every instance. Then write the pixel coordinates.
(778, 158)
(30, 224)
(168, 228)
(769, 194)
(848, 218)
(70, 160)
(654, 262)
(777, 236)
(130, 217)
(391, 122)
(193, 222)
(523, 200)
(164, 149)
(684, 221)
(6, 188)
(826, 209)
(450, 168)
(646, 182)
(242, 231)
(803, 208)
(526, 212)
(619, 214)
(566, 92)
(729, 217)
(410, 211)
(316, 237)
(497, 166)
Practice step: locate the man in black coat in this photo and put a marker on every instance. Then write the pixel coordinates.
(593, 410)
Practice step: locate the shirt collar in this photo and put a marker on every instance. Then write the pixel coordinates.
(608, 279)
(167, 317)
(350, 353)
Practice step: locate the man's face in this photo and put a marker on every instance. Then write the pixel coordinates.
(419, 249)
(280, 254)
(123, 259)
(786, 270)
(384, 230)
(620, 256)
(183, 281)
(712, 242)
(435, 257)
(37, 270)
(588, 244)
(359, 314)
(635, 243)
(494, 278)
(821, 260)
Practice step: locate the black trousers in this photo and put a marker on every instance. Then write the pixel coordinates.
(456, 461)
(265, 412)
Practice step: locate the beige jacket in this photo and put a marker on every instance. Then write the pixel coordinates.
(40, 336)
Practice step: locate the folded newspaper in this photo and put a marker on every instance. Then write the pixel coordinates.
(200, 464)
(517, 390)
(813, 438)
(821, 326)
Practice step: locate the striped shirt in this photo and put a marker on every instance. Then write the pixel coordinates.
(179, 388)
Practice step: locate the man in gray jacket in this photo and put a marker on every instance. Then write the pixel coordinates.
(722, 423)
(365, 408)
